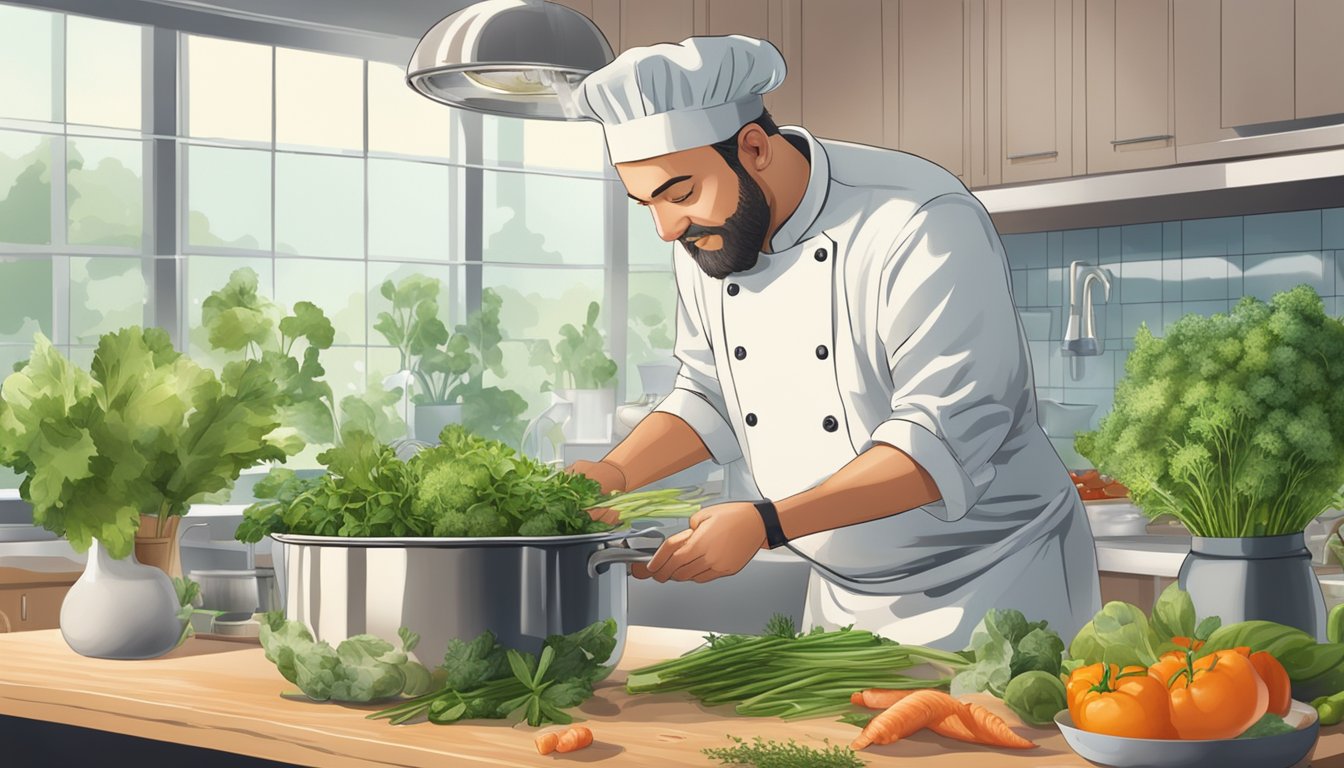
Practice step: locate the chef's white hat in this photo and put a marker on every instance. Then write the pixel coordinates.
(674, 96)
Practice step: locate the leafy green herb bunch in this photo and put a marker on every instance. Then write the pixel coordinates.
(146, 431)
(1233, 423)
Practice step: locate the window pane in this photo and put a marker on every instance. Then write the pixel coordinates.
(206, 274)
(646, 247)
(319, 99)
(25, 299)
(337, 287)
(535, 304)
(502, 140)
(578, 146)
(449, 278)
(25, 63)
(102, 79)
(543, 219)
(25, 184)
(228, 89)
(409, 210)
(229, 198)
(403, 121)
(319, 206)
(106, 294)
(105, 192)
(652, 317)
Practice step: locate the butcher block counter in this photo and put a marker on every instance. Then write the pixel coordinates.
(224, 696)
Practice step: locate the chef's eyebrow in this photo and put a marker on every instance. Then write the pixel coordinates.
(660, 190)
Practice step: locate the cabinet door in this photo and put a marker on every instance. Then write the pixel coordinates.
(932, 116)
(1319, 68)
(1257, 55)
(1130, 85)
(646, 23)
(28, 608)
(842, 69)
(1035, 73)
(779, 23)
(1199, 48)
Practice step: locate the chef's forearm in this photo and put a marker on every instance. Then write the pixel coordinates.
(660, 445)
(880, 482)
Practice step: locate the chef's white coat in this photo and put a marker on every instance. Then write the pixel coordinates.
(884, 314)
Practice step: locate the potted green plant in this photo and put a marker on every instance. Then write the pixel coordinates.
(582, 373)
(449, 367)
(1232, 425)
(244, 324)
(139, 437)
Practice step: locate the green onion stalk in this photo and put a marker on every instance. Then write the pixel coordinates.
(795, 676)
(674, 503)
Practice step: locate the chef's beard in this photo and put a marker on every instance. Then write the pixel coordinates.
(742, 233)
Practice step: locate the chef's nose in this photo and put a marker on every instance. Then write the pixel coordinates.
(670, 224)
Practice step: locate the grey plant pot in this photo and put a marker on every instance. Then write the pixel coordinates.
(1267, 578)
(431, 419)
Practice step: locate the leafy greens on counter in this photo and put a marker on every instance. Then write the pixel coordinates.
(482, 679)
(362, 668)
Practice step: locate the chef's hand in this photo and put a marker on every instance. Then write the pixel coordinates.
(607, 475)
(722, 539)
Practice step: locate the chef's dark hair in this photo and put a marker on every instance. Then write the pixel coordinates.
(727, 148)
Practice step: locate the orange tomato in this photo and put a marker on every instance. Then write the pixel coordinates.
(1276, 680)
(1130, 703)
(1218, 696)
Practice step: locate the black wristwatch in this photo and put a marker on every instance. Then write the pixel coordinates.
(774, 534)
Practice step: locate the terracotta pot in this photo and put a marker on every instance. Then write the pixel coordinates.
(156, 544)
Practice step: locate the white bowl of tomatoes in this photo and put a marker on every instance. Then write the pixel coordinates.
(1230, 709)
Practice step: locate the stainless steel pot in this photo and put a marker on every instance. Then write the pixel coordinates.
(522, 589)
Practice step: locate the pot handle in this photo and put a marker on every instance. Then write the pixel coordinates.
(602, 559)
(629, 552)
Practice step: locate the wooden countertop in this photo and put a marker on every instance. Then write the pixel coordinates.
(226, 696)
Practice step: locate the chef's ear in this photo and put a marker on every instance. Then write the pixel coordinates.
(754, 148)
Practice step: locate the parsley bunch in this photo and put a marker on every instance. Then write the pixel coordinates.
(771, 754)
(485, 680)
(1232, 423)
(467, 486)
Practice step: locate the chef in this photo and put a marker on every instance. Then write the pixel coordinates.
(845, 327)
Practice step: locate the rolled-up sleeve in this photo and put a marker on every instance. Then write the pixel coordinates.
(697, 398)
(947, 324)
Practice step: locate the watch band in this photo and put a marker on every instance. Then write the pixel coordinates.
(774, 534)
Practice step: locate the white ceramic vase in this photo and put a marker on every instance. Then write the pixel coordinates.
(120, 609)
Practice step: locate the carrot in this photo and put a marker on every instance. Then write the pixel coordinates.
(577, 737)
(878, 698)
(918, 710)
(992, 730)
(546, 742)
(955, 727)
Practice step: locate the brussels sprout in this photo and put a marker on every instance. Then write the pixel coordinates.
(1036, 697)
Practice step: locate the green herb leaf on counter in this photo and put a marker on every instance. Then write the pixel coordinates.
(362, 668)
(769, 754)
(858, 719)
(481, 679)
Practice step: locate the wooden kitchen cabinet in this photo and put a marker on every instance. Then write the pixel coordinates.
(1029, 57)
(1257, 61)
(1131, 85)
(1319, 58)
(928, 93)
(31, 599)
(841, 68)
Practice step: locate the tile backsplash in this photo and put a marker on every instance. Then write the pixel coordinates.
(1159, 273)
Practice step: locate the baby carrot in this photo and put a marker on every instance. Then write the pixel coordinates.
(918, 710)
(992, 730)
(879, 698)
(577, 737)
(546, 742)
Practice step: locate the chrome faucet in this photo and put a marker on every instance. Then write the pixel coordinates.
(1080, 336)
